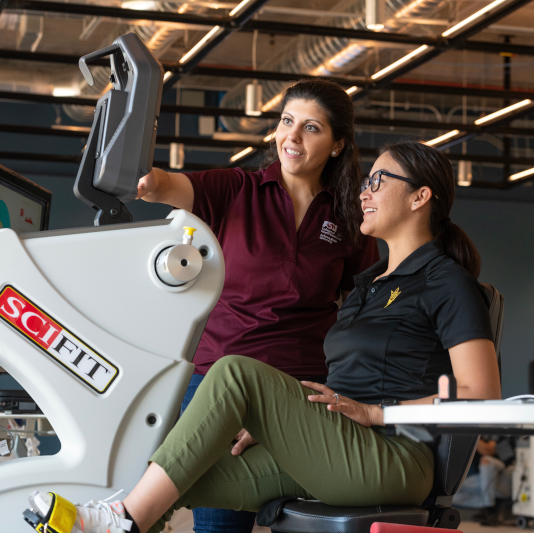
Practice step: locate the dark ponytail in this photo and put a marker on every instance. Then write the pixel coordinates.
(427, 167)
(342, 174)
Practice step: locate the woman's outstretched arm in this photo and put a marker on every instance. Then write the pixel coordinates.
(166, 188)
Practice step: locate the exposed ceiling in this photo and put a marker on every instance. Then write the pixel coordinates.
(452, 85)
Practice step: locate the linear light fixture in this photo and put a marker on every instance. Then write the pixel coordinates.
(167, 75)
(521, 175)
(353, 90)
(443, 138)
(510, 109)
(241, 154)
(472, 18)
(269, 137)
(65, 91)
(240, 7)
(214, 32)
(403, 60)
(273, 102)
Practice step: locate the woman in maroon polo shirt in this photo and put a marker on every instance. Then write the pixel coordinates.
(291, 243)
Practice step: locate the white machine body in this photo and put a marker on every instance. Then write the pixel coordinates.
(523, 478)
(103, 346)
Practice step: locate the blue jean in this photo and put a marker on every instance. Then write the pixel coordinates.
(209, 520)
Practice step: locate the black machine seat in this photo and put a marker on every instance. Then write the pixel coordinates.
(453, 454)
(322, 518)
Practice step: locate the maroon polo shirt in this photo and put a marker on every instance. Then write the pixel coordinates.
(278, 300)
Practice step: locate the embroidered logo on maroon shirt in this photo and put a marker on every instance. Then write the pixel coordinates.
(328, 232)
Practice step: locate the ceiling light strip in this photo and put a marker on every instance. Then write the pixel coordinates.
(443, 138)
(504, 111)
(521, 175)
(353, 90)
(474, 17)
(269, 137)
(214, 32)
(240, 7)
(402, 61)
(241, 154)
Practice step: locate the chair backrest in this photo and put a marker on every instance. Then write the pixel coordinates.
(453, 453)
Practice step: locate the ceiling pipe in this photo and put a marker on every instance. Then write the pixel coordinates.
(323, 55)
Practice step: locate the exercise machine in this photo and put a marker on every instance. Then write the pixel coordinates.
(100, 324)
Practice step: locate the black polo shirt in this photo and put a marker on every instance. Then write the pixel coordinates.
(391, 338)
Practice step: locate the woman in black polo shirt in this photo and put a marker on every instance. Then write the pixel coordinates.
(412, 317)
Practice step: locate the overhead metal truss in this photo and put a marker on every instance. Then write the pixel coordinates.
(501, 128)
(243, 21)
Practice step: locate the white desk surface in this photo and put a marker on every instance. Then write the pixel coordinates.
(487, 413)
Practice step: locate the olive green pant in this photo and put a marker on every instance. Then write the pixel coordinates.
(304, 449)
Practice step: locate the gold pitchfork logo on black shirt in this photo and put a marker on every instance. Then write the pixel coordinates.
(394, 294)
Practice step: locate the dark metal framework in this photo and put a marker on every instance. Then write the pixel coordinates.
(244, 22)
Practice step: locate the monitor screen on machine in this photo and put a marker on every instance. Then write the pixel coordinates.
(24, 205)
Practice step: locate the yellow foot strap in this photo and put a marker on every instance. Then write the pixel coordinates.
(61, 516)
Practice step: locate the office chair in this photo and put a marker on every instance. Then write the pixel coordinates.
(452, 457)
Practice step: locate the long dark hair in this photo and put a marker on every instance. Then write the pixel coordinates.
(341, 174)
(426, 166)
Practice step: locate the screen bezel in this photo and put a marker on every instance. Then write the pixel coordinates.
(29, 189)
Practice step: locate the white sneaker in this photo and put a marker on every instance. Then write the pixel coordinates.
(60, 516)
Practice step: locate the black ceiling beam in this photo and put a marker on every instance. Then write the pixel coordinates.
(500, 128)
(288, 28)
(242, 22)
(54, 158)
(65, 59)
(270, 75)
(441, 126)
(497, 48)
(400, 38)
(492, 127)
(280, 76)
(214, 111)
(112, 12)
(459, 91)
(75, 159)
(229, 25)
(276, 76)
(165, 108)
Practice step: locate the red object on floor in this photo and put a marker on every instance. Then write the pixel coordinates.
(383, 527)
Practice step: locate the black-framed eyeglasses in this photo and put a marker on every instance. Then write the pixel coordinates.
(374, 180)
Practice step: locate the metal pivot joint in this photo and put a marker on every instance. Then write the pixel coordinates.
(180, 264)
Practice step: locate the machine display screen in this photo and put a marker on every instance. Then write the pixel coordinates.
(22, 208)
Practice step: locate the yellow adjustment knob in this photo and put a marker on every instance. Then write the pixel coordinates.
(189, 231)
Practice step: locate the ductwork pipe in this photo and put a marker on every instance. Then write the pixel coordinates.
(157, 39)
(323, 56)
